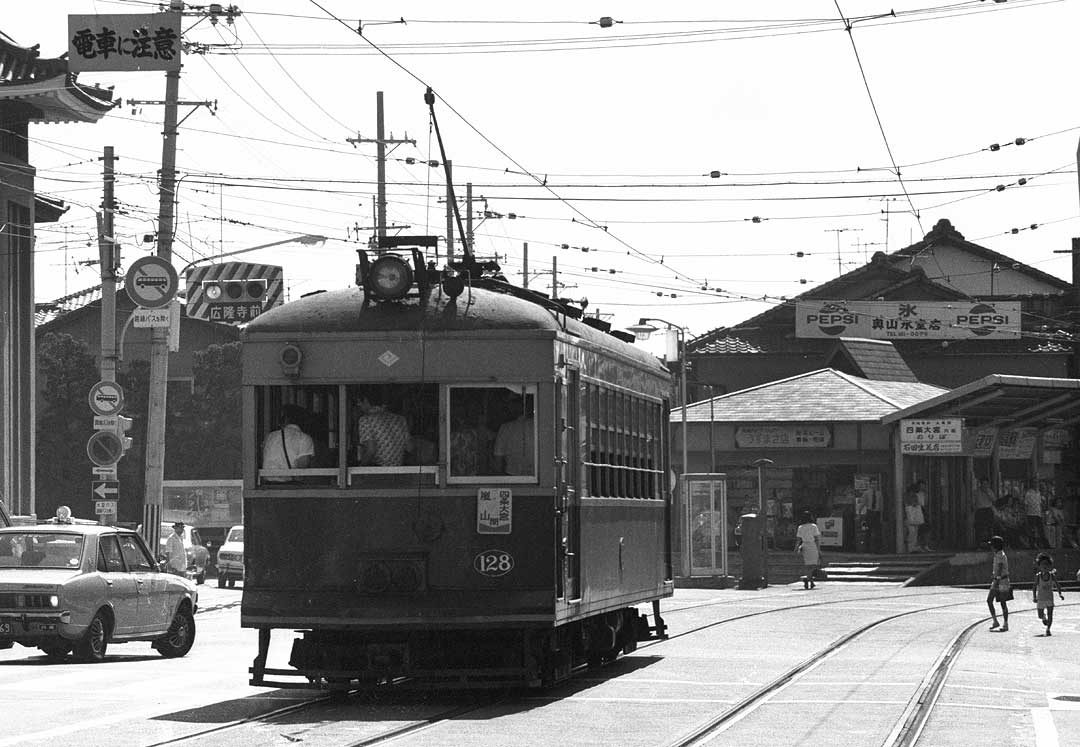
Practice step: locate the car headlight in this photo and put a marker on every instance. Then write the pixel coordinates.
(54, 600)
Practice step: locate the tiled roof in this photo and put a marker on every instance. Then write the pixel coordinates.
(727, 346)
(873, 359)
(825, 395)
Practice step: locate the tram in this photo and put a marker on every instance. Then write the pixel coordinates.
(521, 528)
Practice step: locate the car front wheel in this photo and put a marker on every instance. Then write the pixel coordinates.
(181, 636)
(91, 647)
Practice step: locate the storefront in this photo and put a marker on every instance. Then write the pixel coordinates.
(812, 444)
(1017, 434)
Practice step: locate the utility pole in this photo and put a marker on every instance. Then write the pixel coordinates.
(525, 265)
(381, 141)
(109, 259)
(468, 218)
(555, 278)
(838, 231)
(159, 341)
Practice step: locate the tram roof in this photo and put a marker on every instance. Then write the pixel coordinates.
(477, 309)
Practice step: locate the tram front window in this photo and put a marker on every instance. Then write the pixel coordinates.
(492, 431)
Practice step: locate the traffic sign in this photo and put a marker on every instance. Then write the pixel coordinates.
(105, 490)
(105, 422)
(106, 398)
(105, 448)
(151, 282)
(151, 318)
(105, 508)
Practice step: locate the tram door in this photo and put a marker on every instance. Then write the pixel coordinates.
(708, 526)
(568, 475)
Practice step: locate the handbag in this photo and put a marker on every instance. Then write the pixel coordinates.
(1004, 589)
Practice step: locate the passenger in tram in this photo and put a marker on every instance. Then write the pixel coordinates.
(470, 441)
(289, 447)
(514, 443)
(382, 436)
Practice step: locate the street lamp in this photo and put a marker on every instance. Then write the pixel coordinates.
(641, 331)
(306, 240)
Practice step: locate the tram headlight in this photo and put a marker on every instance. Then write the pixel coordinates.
(390, 277)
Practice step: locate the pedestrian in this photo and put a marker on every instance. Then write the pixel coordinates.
(984, 510)
(913, 521)
(1000, 586)
(175, 554)
(1033, 511)
(809, 547)
(1042, 591)
(924, 529)
(1055, 524)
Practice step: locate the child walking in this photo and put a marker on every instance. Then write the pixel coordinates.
(1000, 587)
(1042, 591)
(809, 547)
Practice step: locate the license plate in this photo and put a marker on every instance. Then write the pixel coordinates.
(5, 628)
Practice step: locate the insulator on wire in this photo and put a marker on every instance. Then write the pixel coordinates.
(1020, 141)
(1022, 181)
(995, 146)
(1000, 188)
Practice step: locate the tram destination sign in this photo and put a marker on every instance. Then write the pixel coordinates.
(907, 320)
(932, 436)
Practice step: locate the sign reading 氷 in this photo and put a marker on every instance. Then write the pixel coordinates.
(907, 320)
(147, 41)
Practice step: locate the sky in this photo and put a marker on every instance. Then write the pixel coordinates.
(693, 162)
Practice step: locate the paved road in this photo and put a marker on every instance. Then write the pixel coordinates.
(726, 648)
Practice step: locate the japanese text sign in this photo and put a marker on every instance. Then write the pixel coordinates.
(494, 510)
(931, 436)
(148, 41)
(889, 320)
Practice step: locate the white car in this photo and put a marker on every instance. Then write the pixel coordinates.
(78, 587)
(230, 558)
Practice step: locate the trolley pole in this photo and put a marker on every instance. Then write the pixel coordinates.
(159, 341)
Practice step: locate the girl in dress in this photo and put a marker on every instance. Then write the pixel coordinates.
(809, 547)
(1042, 591)
(1000, 586)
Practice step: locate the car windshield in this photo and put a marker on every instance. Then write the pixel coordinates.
(236, 535)
(40, 550)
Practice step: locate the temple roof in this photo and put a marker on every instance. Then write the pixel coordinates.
(48, 87)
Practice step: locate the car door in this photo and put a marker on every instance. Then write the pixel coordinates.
(120, 589)
(141, 567)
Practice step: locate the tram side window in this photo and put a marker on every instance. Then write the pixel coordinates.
(492, 431)
(393, 425)
(297, 430)
(623, 443)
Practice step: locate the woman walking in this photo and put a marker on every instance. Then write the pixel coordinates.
(1000, 587)
(809, 547)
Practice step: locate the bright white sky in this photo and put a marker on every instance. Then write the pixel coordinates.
(625, 123)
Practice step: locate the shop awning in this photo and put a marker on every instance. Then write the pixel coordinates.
(1000, 400)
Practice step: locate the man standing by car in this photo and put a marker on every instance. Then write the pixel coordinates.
(176, 555)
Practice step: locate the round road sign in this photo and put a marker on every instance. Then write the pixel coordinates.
(151, 282)
(104, 448)
(106, 398)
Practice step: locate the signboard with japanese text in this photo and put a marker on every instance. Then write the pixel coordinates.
(783, 437)
(832, 531)
(905, 320)
(979, 442)
(145, 41)
(494, 510)
(233, 292)
(1016, 443)
(151, 318)
(931, 436)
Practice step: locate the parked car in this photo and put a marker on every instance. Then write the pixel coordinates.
(76, 588)
(230, 558)
(5, 520)
(197, 555)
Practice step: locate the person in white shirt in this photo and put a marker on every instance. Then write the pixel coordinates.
(175, 554)
(809, 537)
(288, 447)
(514, 443)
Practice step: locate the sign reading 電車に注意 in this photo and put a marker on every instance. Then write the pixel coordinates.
(105, 42)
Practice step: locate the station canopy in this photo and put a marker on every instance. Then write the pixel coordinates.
(1002, 400)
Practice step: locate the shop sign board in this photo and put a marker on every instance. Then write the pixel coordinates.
(1016, 443)
(979, 442)
(113, 41)
(783, 437)
(1056, 438)
(832, 531)
(931, 436)
(906, 320)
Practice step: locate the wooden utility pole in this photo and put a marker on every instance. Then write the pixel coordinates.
(159, 341)
(381, 141)
(109, 261)
(468, 218)
(525, 264)
(449, 211)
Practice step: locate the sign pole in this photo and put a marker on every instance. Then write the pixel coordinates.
(159, 346)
